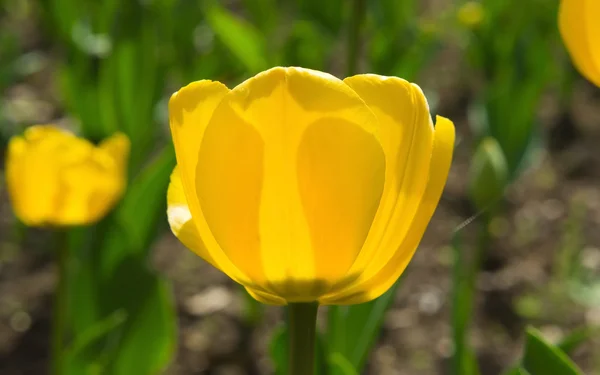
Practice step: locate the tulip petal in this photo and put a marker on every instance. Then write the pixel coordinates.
(267, 298)
(190, 110)
(407, 136)
(38, 133)
(381, 282)
(580, 29)
(87, 192)
(292, 205)
(59, 179)
(39, 156)
(340, 190)
(17, 147)
(91, 179)
(117, 148)
(96, 183)
(183, 227)
(180, 217)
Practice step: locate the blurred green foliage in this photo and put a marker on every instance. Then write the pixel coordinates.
(512, 47)
(515, 70)
(118, 62)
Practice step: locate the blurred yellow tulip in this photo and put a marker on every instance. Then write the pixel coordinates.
(471, 14)
(56, 178)
(303, 187)
(580, 30)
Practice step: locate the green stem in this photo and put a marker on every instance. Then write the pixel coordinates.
(302, 326)
(465, 282)
(60, 305)
(356, 21)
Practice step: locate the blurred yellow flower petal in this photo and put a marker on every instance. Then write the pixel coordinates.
(580, 30)
(306, 186)
(117, 148)
(55, 178)
(470, 14)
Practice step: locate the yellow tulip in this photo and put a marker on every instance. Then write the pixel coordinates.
(56, 178)
(303, 187)
(580, 30)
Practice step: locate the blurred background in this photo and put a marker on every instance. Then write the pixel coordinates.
(514, 242)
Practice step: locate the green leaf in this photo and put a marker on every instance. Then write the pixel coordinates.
(144, 205)
(106, 96)
(567, 345)
(264, 13)
(137, 83)
(82, 279)
(278, 349)
(81, 97)
(64, 13)
(253, 310)
(307, 46)
(543, 358)
(330, 14)
(146, 342)
(338, 364)
(124, 57)
(81, 349)
(242, 39)
(145, 201)
(577, 337)
(516, 371)
(352, 330)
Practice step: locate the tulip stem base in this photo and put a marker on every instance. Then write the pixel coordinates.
(302, 330)
(60, 304)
